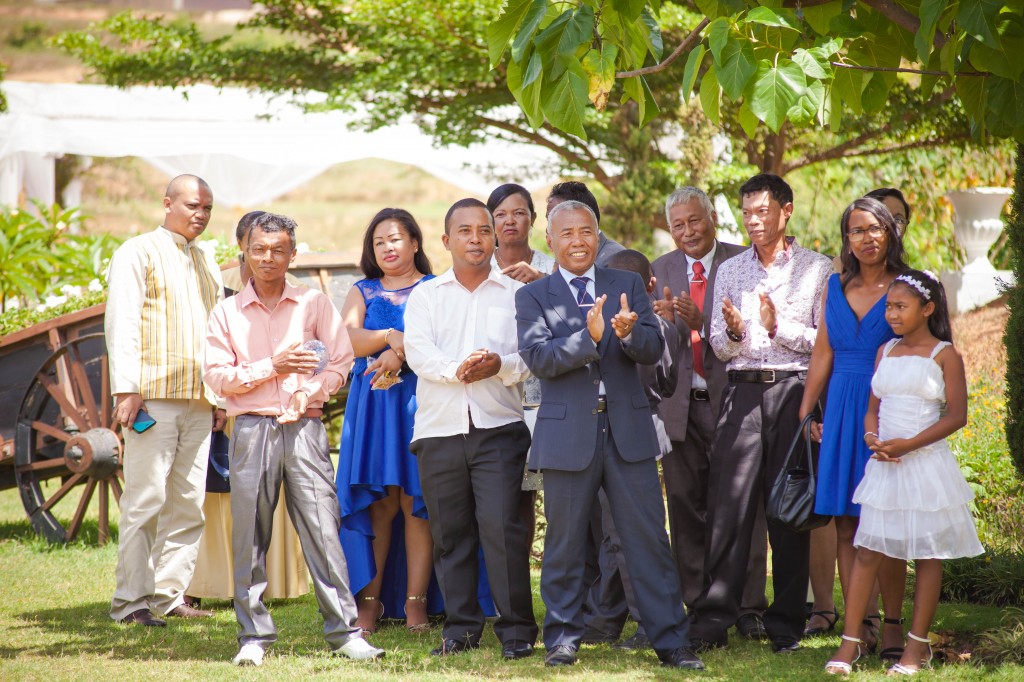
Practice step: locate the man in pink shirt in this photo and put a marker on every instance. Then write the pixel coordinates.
(257, 358)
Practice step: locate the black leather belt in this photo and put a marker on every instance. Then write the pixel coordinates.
(699, 394)
(602, 404)
(762, 376)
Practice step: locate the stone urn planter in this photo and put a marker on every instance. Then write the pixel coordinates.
(977, 222)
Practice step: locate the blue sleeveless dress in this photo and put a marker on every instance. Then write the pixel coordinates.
(374, 454)
(844, 454)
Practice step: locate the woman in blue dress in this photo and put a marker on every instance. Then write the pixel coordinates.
(853, 328)
(385, 534)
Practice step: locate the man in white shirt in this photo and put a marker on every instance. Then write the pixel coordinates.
(469, 437)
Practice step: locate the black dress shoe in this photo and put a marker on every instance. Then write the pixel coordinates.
(700, 644)
(592, 636)
(144, 617)
(563, 654)
(681, 658)
(634, 643)
(751, 626)
(785, 646)
(516, 648)
(186, 611)
(450, 647)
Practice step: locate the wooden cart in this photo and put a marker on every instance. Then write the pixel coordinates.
(58, 442)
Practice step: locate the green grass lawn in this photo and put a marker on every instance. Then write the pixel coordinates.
(54, 626)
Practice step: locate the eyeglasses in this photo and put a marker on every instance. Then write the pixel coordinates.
(858, 235)
(900, 220)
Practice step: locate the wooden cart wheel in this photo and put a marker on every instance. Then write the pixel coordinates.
(65, 447)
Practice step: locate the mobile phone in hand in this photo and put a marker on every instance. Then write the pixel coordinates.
(142, 421)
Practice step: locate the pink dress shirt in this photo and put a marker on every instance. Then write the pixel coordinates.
(243, 335)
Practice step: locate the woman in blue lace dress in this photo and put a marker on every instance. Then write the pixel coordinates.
(385, 534)
(853, 328)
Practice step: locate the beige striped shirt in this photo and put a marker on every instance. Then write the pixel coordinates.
(162, 289)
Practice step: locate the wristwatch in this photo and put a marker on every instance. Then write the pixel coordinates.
(735, 337)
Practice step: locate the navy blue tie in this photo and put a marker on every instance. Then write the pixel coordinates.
(583, 299)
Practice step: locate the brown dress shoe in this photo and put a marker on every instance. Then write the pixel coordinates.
(186, 611)
(143, 617)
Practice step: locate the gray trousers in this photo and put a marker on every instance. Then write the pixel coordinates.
(263, 453)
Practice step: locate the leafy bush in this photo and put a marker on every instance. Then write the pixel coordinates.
(1003, 644)
(1013, 337)
(21, 318)
(995, 578)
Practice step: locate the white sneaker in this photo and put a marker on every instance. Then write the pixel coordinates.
(249, 654)
(359, 649)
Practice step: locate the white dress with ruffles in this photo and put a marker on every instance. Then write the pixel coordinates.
(917, 508)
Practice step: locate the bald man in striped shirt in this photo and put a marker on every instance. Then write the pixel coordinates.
(162, 289)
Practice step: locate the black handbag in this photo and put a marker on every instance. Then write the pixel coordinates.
(217, 480)
(791, 501)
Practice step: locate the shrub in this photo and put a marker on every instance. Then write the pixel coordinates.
(1013, 337)
(996, 578)
(1004, 644)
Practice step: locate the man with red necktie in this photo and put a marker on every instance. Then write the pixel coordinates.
(686, 277)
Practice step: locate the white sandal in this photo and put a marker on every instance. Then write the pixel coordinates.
(842, 667)
(900, 669)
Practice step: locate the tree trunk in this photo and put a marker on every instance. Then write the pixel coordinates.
(1013, 338)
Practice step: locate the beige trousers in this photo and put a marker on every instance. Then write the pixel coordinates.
(162, 507)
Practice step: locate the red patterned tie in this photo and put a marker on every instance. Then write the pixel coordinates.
(698, 286)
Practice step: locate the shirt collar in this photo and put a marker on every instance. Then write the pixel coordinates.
(494, 275)
(787, 253)
(176, 238)
(248, 293)
(706, 260)
(568, 276)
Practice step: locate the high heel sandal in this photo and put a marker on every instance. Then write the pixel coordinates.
(900, 669)
(874, 631)
(892, 654)
(380, 612)
(829, 617)
(417, 627)
(842, 667)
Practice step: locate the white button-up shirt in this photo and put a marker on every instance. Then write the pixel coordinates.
(444, 323)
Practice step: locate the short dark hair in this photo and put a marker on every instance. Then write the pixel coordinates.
(773, 184)
(574, 190)
(244, 223)
(468, 202)
(503, 192)
(272, 222)
(631, 261)
(368, 262)
(883, 192)
(938, 324)
(894, 254)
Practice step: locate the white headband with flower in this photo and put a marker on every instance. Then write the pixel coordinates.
(917, 284)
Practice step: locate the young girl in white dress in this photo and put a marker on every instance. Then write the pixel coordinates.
(914, 500)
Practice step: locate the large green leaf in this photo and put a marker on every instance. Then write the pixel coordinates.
(978, 18)
(531, 22)
(718, 36)
(819, 17)
(930, 12)
(737, 67)
(710, 95)
(526, 88)
(720, 8)
(1005, 62)
(565, 103)
(876, 91)
(973, 91)
(636, 88)
(769, 17)
(652, 36)
(567, 33)
(1001, 116)
(813, 66)
(775, 89)
(748, 120)
(808, 106)
(693, 61)
(631, 9)
(500, 31)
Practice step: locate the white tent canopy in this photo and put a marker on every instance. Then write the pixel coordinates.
(250, 147)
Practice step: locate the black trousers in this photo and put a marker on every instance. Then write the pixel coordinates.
(471, 486)
(757, 425)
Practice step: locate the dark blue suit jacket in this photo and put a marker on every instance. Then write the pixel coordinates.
(556, 346)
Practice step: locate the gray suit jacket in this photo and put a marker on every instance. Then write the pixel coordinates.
(556, 346)
(670, 271)
(606, 248)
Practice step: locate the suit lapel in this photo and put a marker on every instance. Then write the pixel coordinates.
(565, 302)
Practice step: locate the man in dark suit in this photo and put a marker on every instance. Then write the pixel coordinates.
(594, 429)
(687, 276)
